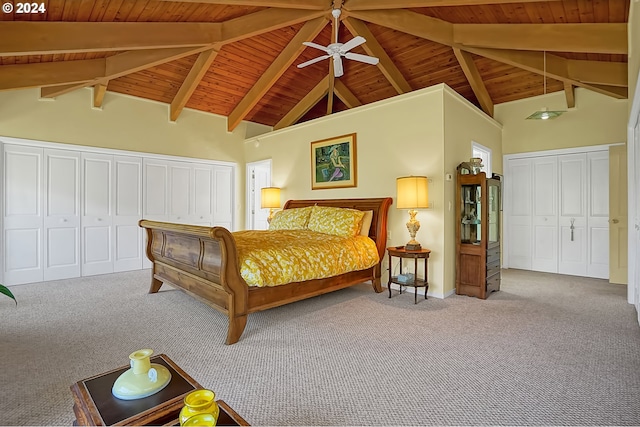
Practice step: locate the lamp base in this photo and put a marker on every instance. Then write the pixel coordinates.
(412, 247)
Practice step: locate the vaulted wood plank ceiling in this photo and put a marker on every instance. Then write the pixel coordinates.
(238, 58)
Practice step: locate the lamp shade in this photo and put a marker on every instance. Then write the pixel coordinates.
(412, 192)
(270, 197)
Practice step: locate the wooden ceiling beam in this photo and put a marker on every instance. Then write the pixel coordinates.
(373, 48)
(332, 74)
(287, 56)
(263, 22)
(189, 85)
(586, 38)
(285, 4)
(119, 65)
(413, 23)
(404, 4)
(556, 68)
(305, 104)
(599, 72)
(22, 76)
(613, 91)
(345, 95)
(475, 80)
(331, 85)
(589, 37)
(569, 94)
(129, 62)
(98, 94)
(53, 91)
(39, 38)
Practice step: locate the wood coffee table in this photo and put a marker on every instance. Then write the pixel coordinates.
(94, 405)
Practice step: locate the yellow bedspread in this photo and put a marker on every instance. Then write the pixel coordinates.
(271, 258)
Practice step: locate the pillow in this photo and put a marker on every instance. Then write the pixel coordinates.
(291, 219)
(336, 221)
(366, 223)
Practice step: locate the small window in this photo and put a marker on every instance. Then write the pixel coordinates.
(485, 154)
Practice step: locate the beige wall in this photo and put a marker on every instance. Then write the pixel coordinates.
(597, 119)
(463, 123)
(124, 123)
(401, 136)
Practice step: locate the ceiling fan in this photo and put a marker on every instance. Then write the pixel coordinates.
(338, 50)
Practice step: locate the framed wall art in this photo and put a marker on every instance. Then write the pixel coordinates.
(333, 162)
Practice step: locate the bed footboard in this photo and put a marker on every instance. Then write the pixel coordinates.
(202, 261)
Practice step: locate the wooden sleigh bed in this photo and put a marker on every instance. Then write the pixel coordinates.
(203, 262)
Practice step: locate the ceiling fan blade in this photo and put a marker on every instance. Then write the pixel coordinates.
(362, 58)
(316, 45)
(313, 61)
(338, 71)
(356, 41)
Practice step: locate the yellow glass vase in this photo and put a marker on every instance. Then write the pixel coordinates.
(199, 402)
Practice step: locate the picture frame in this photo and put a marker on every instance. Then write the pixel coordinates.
(334, 162)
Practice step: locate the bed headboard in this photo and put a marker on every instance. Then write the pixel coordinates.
(379, 206)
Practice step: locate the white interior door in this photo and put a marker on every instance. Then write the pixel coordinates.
(618, 215)
(518, 200)
(598, 215)
(545, 214)
(61, 214)
(573, 214)
(258, 177)
(128, 251)
(23, 215)
(97, 214)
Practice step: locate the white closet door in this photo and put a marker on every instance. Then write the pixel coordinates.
(202, 198)
(23, 215)
(128, 250)
(545, 214)
(97, 214)
(180, 192)
(598, 215)
(155, 192)
(518, 197)
(573, 214)
(61, 214)
(223, 196)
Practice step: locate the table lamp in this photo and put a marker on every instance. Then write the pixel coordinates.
(412, 193)
(270, 198)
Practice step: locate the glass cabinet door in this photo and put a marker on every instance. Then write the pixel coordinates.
(494, 211)
(471, 214)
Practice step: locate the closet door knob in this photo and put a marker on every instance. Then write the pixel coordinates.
(615, 221)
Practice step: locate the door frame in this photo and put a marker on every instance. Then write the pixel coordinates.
(250, 167)
(507, 183)
(633, 179)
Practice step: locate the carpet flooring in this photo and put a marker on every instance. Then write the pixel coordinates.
(545, 350)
